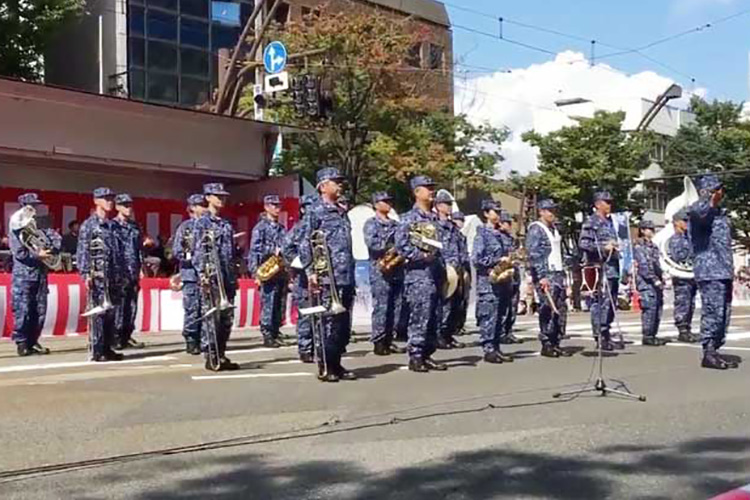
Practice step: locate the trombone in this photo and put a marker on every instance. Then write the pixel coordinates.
(322, 266)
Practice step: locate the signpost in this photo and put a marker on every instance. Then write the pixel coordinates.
(274, 57)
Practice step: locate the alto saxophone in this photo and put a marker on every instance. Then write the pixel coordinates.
(271, 267)
(390, 261)
(505, 268)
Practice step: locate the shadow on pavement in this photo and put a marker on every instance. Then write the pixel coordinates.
(692, 469)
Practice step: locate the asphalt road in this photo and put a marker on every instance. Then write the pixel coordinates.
(158, 426)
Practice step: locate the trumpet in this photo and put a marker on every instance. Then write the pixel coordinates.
(32, 238)
(505, 268)
(99, 255)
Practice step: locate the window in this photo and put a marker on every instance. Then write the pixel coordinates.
(657, 154)
(162, 4)
(137, 82)
(162, 56)
(137, 52)
(656, 196)
(136, 20)
(193, 32)
(194, 62)
(162, 87)
(226, 13)
(195, 8)
(436, 56)
(223, 37)
(193, 91)
(161, 25)
(414, 56)
(282, 13)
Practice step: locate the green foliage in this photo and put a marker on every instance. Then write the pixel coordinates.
(383, 127)
(26, 28)
(717, 141)
(576, 161)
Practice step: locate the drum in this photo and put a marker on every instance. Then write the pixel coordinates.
(591, 276)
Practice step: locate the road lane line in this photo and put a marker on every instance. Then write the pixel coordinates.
(78, 364)
(251, 375)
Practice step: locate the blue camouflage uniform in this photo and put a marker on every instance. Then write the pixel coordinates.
(331, 219)
(267, 240)
(102, 326)
(711, 235)
(649, 283)
(423, 272)
(448, 308)
(290, 251)
(596, 233)
(680, 250)
(386, 289)
(539, 249)
(184, 250)
(510, 317)
(465, 291)
(493, 299)
(216, 328)
(130, 242)
(29, 285)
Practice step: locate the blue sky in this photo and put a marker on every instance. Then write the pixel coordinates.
(716, 57)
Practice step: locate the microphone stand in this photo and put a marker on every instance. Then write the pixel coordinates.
(600, 384)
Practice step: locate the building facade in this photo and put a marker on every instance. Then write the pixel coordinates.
(172, 51)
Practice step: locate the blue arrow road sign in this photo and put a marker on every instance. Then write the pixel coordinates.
(274, 57)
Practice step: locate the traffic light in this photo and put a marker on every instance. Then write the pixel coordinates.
(298, 95)
(312, 96)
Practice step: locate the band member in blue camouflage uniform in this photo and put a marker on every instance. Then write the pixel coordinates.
(711, 235)
(217, 327)
(543, 244)
(458, 219)
(266, 242)
(680, 250)
(328, 217)
(290, 251)
(649, 282)
(386, 287)
(130, 242)
(600, 245)
(423, 269)
(506, 232)
(29, 283)
(448, 308)
(492, 298)
(102, 271)
(184, 250)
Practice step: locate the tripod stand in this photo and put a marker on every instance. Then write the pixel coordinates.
(600, 384)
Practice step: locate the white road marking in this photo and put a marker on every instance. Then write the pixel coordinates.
(259, 349)
(251, 375)
(698, 346)
(78, 364)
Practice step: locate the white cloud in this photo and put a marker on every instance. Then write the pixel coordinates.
(524, 99)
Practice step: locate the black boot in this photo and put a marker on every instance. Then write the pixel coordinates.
(713, 360)
(192, 348)
(729, 362)
(38, 349)
(228, 365)
(511, 339)
(343, 373)
(549, 352)
(431, 364)
(493, 357)
(418, 365)
(326, 374)
(23, 350)
(213, 363)
(111, 355)
(444, 344)
(394, 349)
(456, 344)
(654, 341)
(607, 345)
(272, 343)
(562, 352)
(306, 357)
(381, 349)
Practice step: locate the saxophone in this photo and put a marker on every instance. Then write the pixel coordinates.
(271, 267)
(390, 261)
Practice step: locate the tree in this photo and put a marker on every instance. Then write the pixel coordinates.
(26, 28)
(381, 127)
(718, 140)
(576, 161)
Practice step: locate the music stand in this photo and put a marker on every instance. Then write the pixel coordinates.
(600, 384)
